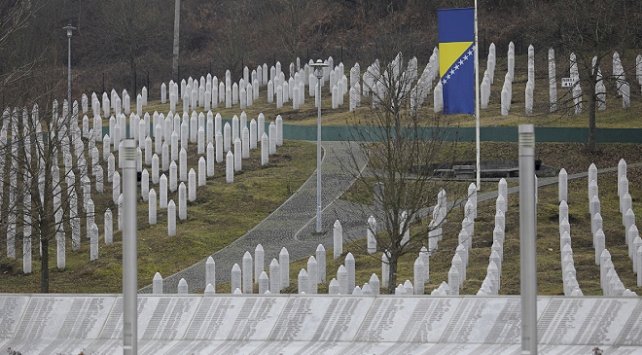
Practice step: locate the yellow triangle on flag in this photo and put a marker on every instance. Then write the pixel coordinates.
(449, 53)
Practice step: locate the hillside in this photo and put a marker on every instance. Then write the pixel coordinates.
(124, 44)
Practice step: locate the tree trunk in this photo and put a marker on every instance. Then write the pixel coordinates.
(177, 19)
(392, 272)
(592, 105)
(44, 266)
(132, 70)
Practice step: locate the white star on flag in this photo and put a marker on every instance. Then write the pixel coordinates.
(458, 65)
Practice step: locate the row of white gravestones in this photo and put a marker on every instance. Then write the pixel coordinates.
(73, 158)
(492, 281)
(623, 86)
(243, 278)
(233, 163)
(173, 180)
(457, 272)
(171, 131)
(199, 92)
(435, 227)
(569, 276)
(113, 102)
(631, 233)
(75, 230)
(610, 281)
(208, 92)
(530, 84)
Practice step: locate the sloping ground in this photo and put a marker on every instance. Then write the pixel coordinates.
(317, 324)
(221, 213)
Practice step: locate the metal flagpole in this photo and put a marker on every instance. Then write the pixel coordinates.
(477, 145)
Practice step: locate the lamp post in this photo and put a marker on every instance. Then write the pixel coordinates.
(318, 72)
(69, 28)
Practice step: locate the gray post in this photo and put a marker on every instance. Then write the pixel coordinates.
(318, 225)
(127, 161)
(527, 236)
(177, 20)
(69, 28)
(318, 72)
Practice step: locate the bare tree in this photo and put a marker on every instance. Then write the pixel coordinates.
(406, 146)
(592, 31)
(40, 147)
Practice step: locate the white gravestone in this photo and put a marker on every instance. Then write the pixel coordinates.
(235, 278)
(152, 207)
(229, 168)
(342, 277)
(321, 263)
(210, 160)
(264, 150)
(144, 184)
(312, 269)
(337, 237)
(303, 281)
(247, 273)
(238, 161)
(109, 227)
(191, 185)
(162, 191)
(202, 172)
(210, 272)
(157, 284)
(173, 177)
(349, 263)
(259, 261)
(93, 242)
(246, 143)
(182, 287)
(264, 283)
(182, 201)
(284, 263)
(171, 219)
(182, 165)
(275, 277)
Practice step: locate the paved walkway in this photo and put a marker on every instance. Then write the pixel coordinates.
(292, 224)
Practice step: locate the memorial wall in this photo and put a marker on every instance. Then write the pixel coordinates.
(173, 324)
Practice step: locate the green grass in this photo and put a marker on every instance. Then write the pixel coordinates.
(222, 213)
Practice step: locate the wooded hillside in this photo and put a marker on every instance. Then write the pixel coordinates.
(123, 44)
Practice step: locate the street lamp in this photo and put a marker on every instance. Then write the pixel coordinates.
(318, 72)
(69, 28)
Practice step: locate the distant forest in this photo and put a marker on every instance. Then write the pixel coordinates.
(128, 44)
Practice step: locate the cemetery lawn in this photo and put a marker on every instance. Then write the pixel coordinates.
(614, 117)
(222, 213)
(549, 272)
(548, 249)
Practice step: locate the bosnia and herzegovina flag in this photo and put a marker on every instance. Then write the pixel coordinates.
(457, 59)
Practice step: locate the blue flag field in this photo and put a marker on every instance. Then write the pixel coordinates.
(457, 59)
